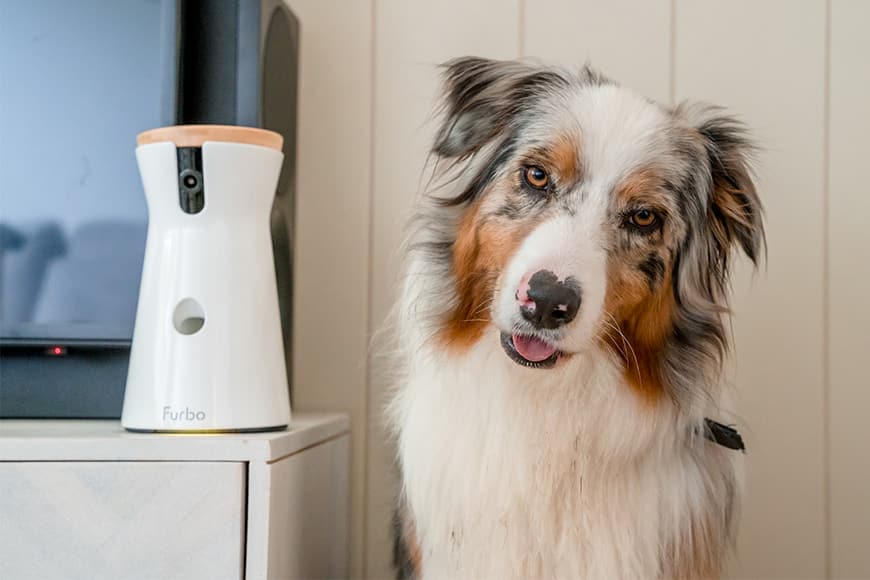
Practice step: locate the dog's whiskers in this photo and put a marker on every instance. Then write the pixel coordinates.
(627, 347)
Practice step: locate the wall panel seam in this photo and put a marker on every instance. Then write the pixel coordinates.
(826, 289)
(672, 55)
(369, 281)
(521, 29)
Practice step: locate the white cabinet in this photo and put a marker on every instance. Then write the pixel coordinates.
(85, 499)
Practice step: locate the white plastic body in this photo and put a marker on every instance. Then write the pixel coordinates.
(216, 265)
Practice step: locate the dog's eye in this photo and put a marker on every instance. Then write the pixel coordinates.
(643, 219)
(536, 177)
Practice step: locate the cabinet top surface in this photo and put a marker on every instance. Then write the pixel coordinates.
(106, 440)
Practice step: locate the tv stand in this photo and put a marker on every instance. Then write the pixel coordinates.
(86, 499)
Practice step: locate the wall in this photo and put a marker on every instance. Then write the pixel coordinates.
(797, 72)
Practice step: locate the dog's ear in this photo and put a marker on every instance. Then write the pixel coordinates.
(734, 211)
(723, 213)
(721, 196)
(482, 98)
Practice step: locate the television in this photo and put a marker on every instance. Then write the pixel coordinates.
(78, 81)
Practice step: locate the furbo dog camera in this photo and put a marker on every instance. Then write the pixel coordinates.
(207, 350)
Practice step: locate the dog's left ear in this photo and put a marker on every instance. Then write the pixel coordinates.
(734, 210)
(725, 214)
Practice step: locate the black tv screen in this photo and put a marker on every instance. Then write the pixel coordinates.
(80, 80)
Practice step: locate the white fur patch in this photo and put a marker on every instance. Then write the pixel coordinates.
(520, 473)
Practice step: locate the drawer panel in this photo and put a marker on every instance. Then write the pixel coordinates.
(129, 520)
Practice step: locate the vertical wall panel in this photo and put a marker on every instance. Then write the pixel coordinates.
(765, 61)
(332, 260)
(412, 37)
(628, 40)
(849, 288)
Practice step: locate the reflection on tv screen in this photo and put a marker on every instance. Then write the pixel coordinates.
(78, 285)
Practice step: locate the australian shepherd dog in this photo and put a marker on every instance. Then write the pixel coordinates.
(561, 331)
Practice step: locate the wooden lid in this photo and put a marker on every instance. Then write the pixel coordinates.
(196, 135)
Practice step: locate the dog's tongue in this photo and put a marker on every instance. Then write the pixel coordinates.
(533, 349)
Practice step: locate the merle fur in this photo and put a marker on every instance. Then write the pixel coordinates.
(719, 151)
(653, 267)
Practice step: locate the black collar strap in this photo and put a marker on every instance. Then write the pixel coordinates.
(724, 435)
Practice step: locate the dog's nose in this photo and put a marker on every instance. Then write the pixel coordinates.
(549, 302)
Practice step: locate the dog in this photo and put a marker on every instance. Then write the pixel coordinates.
(561, 329)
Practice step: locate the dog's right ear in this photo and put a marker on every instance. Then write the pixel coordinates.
(482, 97)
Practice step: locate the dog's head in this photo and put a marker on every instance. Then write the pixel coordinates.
(577, 214)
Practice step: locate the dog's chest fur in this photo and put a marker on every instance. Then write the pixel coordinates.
(514, 473)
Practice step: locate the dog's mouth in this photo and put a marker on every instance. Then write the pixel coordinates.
(530, 351)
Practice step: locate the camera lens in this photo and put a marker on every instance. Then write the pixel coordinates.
(190, 180)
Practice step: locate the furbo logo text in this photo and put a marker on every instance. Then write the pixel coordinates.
(185, 414)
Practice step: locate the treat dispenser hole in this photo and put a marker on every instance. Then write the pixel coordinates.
(189, 317)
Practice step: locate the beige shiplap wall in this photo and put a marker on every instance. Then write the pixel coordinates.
(848, 288)
(797, 71)
(333, 181)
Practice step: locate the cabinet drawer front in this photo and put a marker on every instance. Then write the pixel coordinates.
(127, 520)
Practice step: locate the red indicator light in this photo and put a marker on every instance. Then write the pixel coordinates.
(56, 351)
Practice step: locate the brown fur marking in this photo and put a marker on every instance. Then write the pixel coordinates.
(734, 205)
(644, 314)
(481, 250)
(642, 185)
(407, 554)
(564, 154)
(645, 319)
(414, 553)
